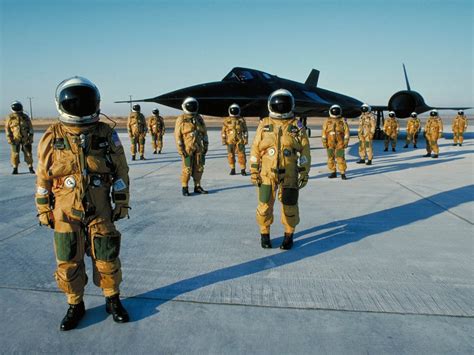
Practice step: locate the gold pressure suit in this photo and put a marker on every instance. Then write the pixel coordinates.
(280, 154)
(192, 142)
(366, 134)
(136, 127)
(156, 126)
(459, 127)
(335, 136)
(80, 170)
(19, 132)
(433, 131)
(235, 136)
(413, 126)
(391, 128)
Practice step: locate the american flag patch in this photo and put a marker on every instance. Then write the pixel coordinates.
(116, 139)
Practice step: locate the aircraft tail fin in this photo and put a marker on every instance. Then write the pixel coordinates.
(406, 78)
(313, 77)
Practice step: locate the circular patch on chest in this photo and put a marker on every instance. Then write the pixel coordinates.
(70, 182)
(271, 152)
(96, 181)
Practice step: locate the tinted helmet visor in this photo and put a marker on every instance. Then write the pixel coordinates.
(17, 107)
(336, 111)
(191, 106)
(235, 111)
(79, 101)
(281, 104)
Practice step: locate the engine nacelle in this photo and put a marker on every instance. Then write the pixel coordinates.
(405, 102)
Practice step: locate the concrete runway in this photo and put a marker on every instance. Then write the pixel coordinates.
(382, 262)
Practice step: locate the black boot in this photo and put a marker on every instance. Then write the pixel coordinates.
(427, 155)
(361, 161)
(232, 171)
(133, 157)
(15, 171)
(159, 152)
(243, 172)
(199, 190)
(154, 152)
(385, 150)
(343, 177)
(287, 241)
(455, 144)
(73, 316)
(405, 146)
(414, 146)
(332, 175)
(435, 156)
(265, 241)
(460, 144)
(114, 306)
(142, 157)
(32, 171)
(369, 162)
(185, 191)
(393, 149)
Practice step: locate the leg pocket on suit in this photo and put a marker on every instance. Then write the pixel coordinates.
(264, 193)
(66, 245)
(187, 161)
(289, 196)
(106, 248)
(230, 148)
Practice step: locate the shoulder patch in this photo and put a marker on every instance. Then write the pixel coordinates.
(299, 124)
(116, 139)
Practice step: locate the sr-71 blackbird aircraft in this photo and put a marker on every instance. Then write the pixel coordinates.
(250, 89)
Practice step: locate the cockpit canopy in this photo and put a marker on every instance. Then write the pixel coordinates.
(245, 75)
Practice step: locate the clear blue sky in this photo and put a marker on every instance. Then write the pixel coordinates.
(146, 48)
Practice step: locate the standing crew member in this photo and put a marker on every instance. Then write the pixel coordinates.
(413, 127)
(366, 134)
(235, 136)
(391, 128)
(136, 127)
(81, 167)
(192, 143)
(280, 159)
(433, 131)
(156, 125)
(459, 127)
(19, 132)
(335, 137)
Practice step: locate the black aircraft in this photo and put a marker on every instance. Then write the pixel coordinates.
(250, 89)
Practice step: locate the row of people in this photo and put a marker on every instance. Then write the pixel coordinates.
(82, 184)
(137, 129)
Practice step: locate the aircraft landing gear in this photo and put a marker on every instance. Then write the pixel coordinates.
(304, 121)
(378, 131)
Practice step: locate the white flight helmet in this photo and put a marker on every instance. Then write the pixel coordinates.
(365, 108)
(16, 106)
(414, 114)
(77, 101)
(190, 106)
(281, 104)
(434, 113)
(234, 110)
(391, 114)
(461, 112)
(335, 111)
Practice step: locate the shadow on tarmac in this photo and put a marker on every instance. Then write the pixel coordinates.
(308, 243)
